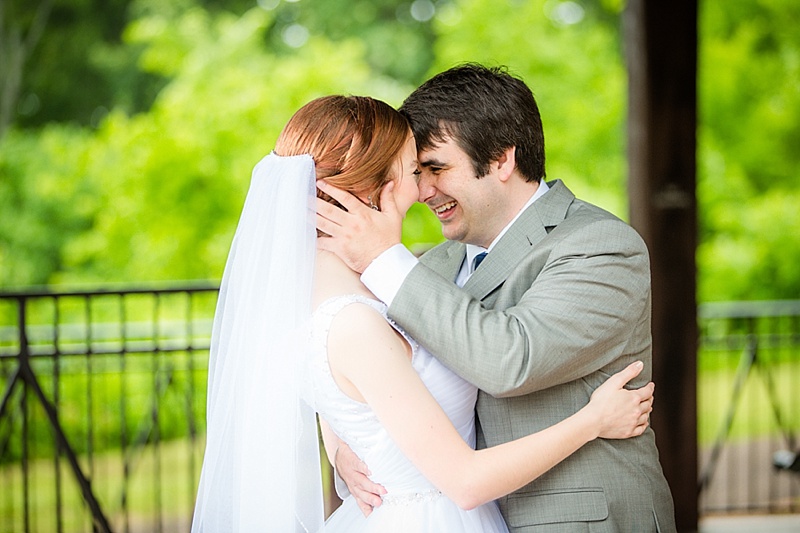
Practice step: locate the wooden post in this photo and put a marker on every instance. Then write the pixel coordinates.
(661, 53)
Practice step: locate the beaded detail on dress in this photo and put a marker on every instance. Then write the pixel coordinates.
(412, 498)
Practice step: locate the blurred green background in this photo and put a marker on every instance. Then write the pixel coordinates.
(129, 128)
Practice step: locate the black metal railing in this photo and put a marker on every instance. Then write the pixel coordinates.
(749, 406)
(103, 407)
(102, 413)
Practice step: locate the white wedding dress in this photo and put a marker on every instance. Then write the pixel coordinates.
(412, 504)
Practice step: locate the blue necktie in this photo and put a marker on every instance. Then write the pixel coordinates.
(478, 260)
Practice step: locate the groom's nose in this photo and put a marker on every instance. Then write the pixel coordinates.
(426, 185)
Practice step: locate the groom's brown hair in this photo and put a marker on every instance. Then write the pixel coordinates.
(485, 111)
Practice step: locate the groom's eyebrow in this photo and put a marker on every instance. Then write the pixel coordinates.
(431, 162)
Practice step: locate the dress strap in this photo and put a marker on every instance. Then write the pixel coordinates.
(332, 306)
(328, 309)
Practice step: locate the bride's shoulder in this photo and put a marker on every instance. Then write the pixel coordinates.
(359, 331)
(356, 318)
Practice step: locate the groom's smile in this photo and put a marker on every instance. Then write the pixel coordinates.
(444, 210)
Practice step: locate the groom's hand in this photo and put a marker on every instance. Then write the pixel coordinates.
(354, 473)
(360, 234)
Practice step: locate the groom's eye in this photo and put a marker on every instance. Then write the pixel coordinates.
(417, 174)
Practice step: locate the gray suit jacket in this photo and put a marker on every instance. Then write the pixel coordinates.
(561, 303)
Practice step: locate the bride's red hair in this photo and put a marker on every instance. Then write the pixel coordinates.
(354, 141)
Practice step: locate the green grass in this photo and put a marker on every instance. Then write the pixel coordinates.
(163, 480)
(170, 494)
(754, 414)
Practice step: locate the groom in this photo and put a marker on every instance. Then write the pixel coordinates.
(560, 302)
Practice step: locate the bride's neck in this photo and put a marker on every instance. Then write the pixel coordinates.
(333, 277)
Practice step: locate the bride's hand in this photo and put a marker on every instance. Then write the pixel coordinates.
(622, 413)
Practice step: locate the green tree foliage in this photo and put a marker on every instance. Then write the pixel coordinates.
(169, 184)
(74, 67)
(396, 34)
(137, 161)
(44, 202)
(67, 60)
(748, 150)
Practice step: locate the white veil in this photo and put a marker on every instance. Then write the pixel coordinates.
(261, 465)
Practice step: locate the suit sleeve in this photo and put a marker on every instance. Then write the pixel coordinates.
(574, 317)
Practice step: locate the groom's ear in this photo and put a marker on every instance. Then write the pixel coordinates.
(506, 163)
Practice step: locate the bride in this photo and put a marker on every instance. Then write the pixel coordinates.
(296, 333)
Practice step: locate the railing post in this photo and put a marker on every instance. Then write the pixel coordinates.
(24, 363)
(27, 375)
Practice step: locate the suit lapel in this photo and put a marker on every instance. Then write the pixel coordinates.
(528, 230)
(446, 264)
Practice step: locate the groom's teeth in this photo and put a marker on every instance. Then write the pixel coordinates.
(442, 208)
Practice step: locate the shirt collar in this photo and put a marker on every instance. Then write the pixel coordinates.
(473, 249)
